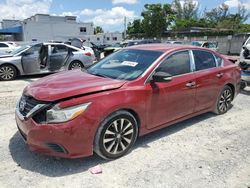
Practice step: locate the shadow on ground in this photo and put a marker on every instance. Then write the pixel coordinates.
(52, 167)
(245, 91)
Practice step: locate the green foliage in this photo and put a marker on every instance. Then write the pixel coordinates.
(183, 14)
(221, 18)
(135, 27)
(156, 19)
(98, 29)
(186, 10)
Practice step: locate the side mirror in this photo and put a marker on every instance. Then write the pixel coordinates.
(162, 77)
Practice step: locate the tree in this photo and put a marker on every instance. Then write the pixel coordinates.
(186, 14)
(135, 27)
(156, 19)
(185, 9)
(217, 14)
(221, 18)
(98, 29)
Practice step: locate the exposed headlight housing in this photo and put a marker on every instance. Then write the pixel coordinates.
(59, 115)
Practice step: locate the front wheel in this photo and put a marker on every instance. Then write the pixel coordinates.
(224, 100)
(7, 72)
(116, 135)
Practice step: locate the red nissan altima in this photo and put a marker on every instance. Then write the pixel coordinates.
(130, 93)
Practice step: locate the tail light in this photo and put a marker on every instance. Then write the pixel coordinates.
(87, 54)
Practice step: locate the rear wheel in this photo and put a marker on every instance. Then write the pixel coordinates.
(7, 72)
(224, 100)
(116, 135)
(75, 65)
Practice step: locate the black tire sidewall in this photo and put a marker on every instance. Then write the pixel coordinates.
(70, 65)
(14, 70)
(99, 148)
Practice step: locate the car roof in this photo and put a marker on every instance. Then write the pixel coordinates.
(163, 47)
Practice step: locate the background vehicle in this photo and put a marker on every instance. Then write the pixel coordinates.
(173, 42)
(245, 52)
(245, 63)
(7, 47)
(213, 45)
(132, 92)
(43, 58)
(110, 49)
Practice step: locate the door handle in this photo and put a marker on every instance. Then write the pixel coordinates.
(219, 75)
(190, 84)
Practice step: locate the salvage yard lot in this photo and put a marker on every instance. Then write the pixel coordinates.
(205, 151)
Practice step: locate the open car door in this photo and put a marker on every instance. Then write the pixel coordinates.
(31, 60)
(57, 57)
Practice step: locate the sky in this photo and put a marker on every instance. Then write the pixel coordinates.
(109, 14)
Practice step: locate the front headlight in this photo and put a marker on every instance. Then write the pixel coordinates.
(58, 115)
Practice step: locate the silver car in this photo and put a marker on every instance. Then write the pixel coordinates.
(43, 58)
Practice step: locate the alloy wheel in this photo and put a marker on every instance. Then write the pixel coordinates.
(7, 73)
(225, 100)
(118, 136)
(75, 65)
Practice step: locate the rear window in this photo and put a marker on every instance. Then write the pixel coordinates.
(2, 45)
(203, 60)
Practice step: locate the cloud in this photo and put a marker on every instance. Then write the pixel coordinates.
(232, 3)
(22, 9)
(124, 1)
(236, 3)
(109, 19)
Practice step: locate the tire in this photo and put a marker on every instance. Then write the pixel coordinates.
(116, 135)
(75, 65)
(224, 100)
(7, 72)
(243, 85)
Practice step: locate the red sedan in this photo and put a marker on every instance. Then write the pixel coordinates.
(130, 93)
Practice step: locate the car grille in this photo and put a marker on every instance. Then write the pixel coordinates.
(26, 104)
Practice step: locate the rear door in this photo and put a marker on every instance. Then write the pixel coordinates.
(208, 77)
(172, 100)
(31, 60)
(57, 57)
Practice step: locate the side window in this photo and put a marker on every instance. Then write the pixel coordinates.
(203, 60)
(58, 49)
(34, 49)
(2, 45)
(176, 64)
(219, 60)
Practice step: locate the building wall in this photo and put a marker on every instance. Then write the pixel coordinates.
(45, 27)
(226, 44)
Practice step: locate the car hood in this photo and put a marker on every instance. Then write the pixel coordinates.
(68, 84)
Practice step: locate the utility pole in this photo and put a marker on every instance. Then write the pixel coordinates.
(125, 27)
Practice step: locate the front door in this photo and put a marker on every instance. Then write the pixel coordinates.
(169, 101)
(31, 60)
(57, 58)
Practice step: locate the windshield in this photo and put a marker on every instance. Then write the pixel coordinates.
(126, 64)
(18, 50)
